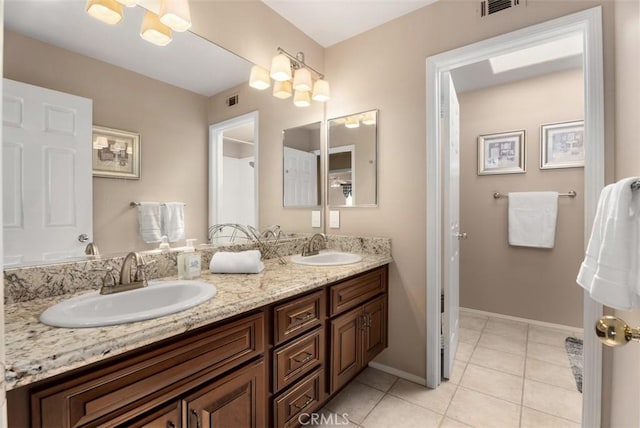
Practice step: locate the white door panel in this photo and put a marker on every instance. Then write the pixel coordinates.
(300, 178)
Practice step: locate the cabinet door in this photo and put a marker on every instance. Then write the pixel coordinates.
(236, 400)
(346, 355)
(374, 335)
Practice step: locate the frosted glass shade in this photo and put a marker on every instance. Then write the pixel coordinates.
(128, 3)
(369, 118)
(154, 31)
(282, 90)
(321, 91)
(302, 80)
(175, 14)
(259, 78)
(100, 143)
(302, 99)
(107, 11)
(351, 122)
(280, 68)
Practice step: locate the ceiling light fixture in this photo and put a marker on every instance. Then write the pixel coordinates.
(107, 11)
(154, 31)
(175, 14)
(128, 3)
(290, 74)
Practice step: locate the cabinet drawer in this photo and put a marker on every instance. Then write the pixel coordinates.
(297, 358)
(301, 399)
(351, 293)
(137, 385)
(297, 316)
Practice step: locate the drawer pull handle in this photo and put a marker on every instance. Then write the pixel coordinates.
(305, 404)
(304, 317)
(194, 413)
(307, 358)
(170, 424)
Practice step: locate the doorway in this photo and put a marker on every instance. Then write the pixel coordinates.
(587, 23)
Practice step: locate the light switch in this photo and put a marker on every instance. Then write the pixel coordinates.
(315, 219)
(334, 219)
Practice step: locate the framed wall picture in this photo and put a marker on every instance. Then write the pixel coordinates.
(562, 145)
(502, 153)
(116, 153)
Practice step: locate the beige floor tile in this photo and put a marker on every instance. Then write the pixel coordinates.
(552, 400)
(503, 343)
(548, 336)
(472, 321)
(433, 399)
(491, 382)
(328, 419)
(355, 401)
(507, 328)
(534, 419)
(376, 379)
(392, 412)
(468, 336)
(480, 410)
(451, 423)
(498, 360)
(464, 351)
(550, 354)
(457, 371)
(552, 374)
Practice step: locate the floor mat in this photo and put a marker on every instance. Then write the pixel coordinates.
(574, 352)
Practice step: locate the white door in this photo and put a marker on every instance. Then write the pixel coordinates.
(300, 178)
(47, 181)
(451, 135)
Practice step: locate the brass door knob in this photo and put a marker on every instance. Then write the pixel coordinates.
(612, 331)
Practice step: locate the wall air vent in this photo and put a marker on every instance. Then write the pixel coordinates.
(489, 7)
(232, 100)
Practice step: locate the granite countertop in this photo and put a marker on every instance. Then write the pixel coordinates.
(35, 351)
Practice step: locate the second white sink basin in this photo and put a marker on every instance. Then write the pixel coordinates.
(327, 258)
(160, 298)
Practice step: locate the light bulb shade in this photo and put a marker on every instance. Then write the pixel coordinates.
(259, 78)
(128, 3)
(282, 90)
(351, 122)
(302, 98)
(302, 80)
(175, 14)
(369, 118)
(280, 68)
(100, 143)
(107, 11)
(321, 91)
(154, 31)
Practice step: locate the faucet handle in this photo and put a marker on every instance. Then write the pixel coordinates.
(141, 269)
(109, 279)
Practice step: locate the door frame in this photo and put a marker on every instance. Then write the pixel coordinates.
(589, 24)
(216, 133)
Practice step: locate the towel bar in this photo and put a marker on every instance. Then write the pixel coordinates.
(570, 194)
(137, 204)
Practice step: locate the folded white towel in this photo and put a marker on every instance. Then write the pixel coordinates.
(240, 262)
(173, 221)
(532, 219)
(610, 271)
(150, 221)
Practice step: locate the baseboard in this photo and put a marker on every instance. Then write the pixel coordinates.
(534, 322)
(398, 373)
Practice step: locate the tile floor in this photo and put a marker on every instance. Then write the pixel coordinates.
(506, 374)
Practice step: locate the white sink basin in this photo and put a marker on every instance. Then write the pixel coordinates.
(327, 258)
(158, 299)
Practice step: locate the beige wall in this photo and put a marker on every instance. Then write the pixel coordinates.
(172, 123)
(524, 282)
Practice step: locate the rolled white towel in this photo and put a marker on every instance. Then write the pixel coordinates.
(238, 262)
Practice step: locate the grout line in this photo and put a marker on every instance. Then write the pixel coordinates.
(524, 372)
(372, 409)
(551, 414)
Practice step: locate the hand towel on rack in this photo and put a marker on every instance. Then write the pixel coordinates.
(150, 221)
(236, 262)
(173, 221)
(610, 271)
(532, 219)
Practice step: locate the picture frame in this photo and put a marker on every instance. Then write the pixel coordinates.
(502, 153)
(562, 145)
(115, 153)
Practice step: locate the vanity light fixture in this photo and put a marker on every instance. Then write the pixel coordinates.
(107, 11)
(100, 143)
(154, 31)
(175, 14)
(128, 3)
(352, 122)
(291, 75)
(369, 118)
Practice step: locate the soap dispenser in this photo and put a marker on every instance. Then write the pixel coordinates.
(189, 262)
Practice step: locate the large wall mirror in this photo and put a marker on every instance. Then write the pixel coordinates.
(301, 172)
(352, 165)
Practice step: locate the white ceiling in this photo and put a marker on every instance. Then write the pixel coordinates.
(331, 21)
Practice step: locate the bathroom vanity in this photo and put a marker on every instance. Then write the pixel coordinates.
(266, 351)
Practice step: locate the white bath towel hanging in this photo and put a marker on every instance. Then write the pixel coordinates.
(610, 271)
(532, 219)
(173, 221)
(150, 221)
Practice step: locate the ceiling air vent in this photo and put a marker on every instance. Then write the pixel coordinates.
(489, 7)
(232, 100)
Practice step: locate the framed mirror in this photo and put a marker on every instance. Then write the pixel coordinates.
(301, 171)
(352, 160)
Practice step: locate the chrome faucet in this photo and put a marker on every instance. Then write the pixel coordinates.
(91, 249)
(312, 246)
(132, 275)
